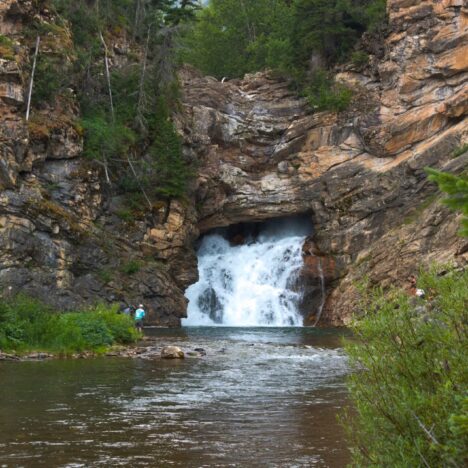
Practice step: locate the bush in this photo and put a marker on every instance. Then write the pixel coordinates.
(359, 58)
(28, 324)
(7, 51)
(324, 94)
(131, 267)
(410, 376)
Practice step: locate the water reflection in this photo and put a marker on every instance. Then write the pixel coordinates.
(261, 397)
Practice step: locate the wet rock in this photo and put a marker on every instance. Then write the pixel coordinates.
(39, 356)
(9, 357)
(172, 352)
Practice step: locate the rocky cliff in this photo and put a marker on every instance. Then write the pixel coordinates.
(358, 174)
(261, 153)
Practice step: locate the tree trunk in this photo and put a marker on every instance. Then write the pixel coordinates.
(106, 61)
(141, 92)
(38, 41)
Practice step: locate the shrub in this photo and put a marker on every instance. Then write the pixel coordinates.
(7, 51)
(410, 376)
(323, 93)
(126, 215)
(359, 58)
(131, 267)
(28, 324)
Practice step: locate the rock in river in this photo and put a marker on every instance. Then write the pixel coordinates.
(172, 352)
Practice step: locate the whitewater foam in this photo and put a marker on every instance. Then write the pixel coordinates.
(251, 284)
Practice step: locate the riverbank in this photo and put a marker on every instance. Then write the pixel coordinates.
(30, 328)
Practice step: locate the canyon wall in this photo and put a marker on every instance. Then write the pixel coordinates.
(260, 153)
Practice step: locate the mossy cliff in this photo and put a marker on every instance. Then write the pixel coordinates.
(257, 152)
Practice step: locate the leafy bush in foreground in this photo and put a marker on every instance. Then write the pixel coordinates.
(410, 378)
(27, 324)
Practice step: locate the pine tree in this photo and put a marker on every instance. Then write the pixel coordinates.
(456, 187)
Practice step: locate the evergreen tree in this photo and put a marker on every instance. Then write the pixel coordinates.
(169, 171)
(456, 187)
(232, 37)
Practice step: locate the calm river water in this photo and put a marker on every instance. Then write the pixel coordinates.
(260, 397)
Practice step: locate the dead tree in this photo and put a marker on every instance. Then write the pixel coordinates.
(31, 82)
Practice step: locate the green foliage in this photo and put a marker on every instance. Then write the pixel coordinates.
(136, 141)
(456, 187)
(330, 28)
(126, 215)
(324, 94)
(7, 51)
(410, 376)
(27, 324)
(105, 275)
(105, 139)
(131, 267)
(231, 38)
(299, 39)
(359, 58)
(50, 78)
(460, 150)
(170, 173)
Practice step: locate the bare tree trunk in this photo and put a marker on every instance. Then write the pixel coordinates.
(111, 102)
(106, 61)
(38, 41)
(138, 182)
(141, 91)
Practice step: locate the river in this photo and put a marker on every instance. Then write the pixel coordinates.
(260, 397)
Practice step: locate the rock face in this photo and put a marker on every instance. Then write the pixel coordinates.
(261, 153)
(61, 238)
(360, 174)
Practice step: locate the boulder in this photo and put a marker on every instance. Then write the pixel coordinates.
(172, 352)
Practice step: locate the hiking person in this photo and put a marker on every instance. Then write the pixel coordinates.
(413, 289)
(412, 285)
(139, 316)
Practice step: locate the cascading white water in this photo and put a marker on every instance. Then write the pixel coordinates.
(249, 284)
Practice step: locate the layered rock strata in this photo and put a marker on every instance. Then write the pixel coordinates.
(261, 153)
(61, 239)
(361, 173)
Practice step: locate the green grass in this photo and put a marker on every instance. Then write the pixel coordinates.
(28, 325)
(410, 379)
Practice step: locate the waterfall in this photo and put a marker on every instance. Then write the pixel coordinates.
(249, 284)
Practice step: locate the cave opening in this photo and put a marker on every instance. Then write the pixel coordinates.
(299, 225)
